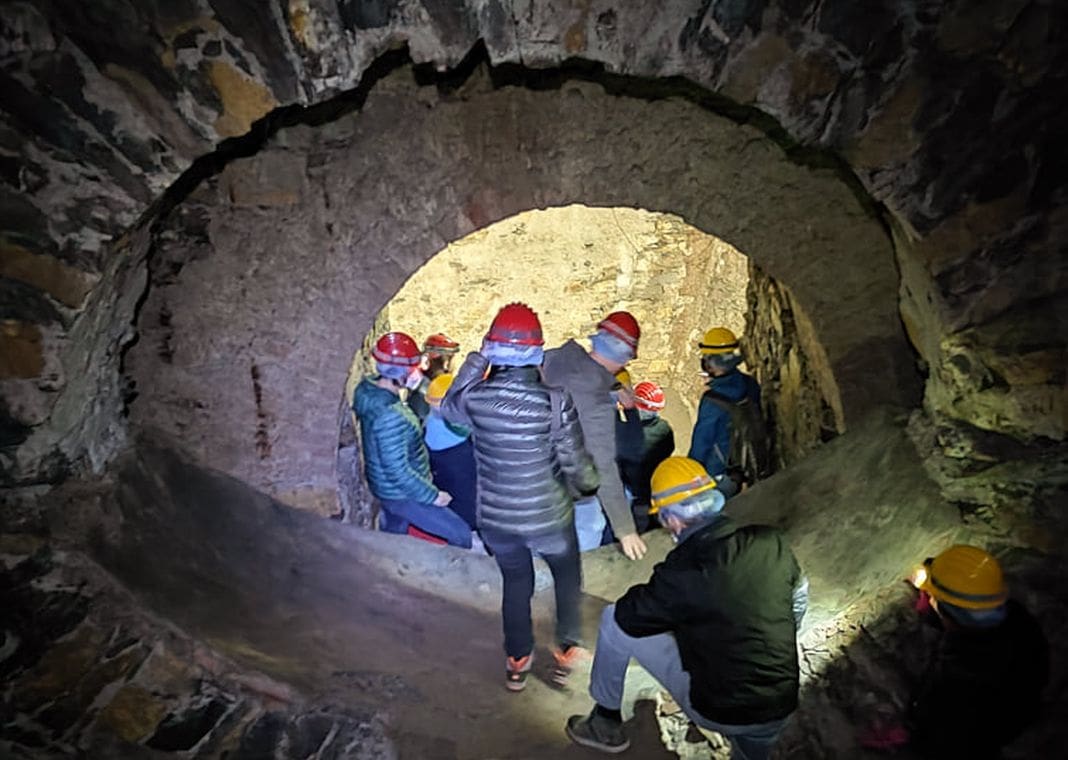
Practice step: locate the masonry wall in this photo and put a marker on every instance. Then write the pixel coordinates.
(268, 277)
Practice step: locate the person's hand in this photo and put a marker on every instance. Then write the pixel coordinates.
(443, 499)
(633, 546)
(626, 397)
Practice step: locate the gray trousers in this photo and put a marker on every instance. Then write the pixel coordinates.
(659, 655)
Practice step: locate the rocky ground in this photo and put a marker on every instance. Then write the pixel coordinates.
(210, 621)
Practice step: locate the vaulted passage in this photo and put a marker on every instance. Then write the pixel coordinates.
(208, 212)
(244, 357)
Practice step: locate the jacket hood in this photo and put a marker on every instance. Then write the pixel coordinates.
(731, 386)
(369, 400)
(570, 366)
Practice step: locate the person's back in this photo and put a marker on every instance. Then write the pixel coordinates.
(522, 486)
(589, 377)
(715, 625)
(530, 455)
(738, 637)
(983, 689)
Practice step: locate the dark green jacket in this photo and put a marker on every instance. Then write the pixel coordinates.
(726, 593)
(394, 455)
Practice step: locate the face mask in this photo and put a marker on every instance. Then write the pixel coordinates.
(415, 377)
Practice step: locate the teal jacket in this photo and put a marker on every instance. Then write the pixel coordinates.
(394, 455)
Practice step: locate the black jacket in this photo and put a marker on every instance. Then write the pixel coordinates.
(983, 687)
(726, 593)
(523, 477)
(657, 443)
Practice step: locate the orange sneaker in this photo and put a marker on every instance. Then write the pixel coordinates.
(566, 659)
(515, 671)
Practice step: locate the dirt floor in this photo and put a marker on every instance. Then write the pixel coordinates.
(336, 617)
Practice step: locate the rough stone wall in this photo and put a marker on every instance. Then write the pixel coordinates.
(86, 672)
(948, 114)
(574, 265)
(292, 253)
(785, 356)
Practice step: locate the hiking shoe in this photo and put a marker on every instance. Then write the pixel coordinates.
(597, 732)
(515, 672)
(565, 660)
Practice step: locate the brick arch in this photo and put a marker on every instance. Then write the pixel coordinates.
(267, 279)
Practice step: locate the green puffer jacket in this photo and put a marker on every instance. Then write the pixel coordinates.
(394, 455)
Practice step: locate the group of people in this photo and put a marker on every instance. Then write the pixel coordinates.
(549, 451)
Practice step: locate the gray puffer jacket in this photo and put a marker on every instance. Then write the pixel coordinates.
(571, 368)
(522, 477)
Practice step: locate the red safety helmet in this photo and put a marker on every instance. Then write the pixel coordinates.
(517, 324)
(649, 396)
(440, 344)
(624, 326)
(396, 348)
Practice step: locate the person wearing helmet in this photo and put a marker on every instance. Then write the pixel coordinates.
(732, 398)
(438, 351)
(395, 458)
(716, 624)
(589, 376)
(452, 454)
(531, 459)
(984, 681)
(637, 462)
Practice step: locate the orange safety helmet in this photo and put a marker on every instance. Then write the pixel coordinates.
(649, 396)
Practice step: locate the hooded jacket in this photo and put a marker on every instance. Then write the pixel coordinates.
(711, 442)
(523, 476)
(394, 455)
(570, 367)
(727, 594)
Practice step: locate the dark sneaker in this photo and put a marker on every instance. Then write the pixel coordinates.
(564, 661)
(597, 732)
(515, 672)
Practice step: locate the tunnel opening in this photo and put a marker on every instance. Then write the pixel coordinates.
(947, 115)
(572, 265)
(235, 353)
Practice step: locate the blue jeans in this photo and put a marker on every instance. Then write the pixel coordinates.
(442, 522)
(590, 523)
(659, 655)
(514, 556)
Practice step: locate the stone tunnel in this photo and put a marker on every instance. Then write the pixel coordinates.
(210, 207)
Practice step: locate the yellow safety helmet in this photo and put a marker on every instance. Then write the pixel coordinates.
(676, 479)
(623, 377)
(435, 392)
(718, 340)
(965, 576)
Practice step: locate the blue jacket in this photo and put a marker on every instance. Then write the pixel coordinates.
(711, 440)
(394, 455)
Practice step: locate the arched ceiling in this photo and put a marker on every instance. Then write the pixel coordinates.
(269, 278)
(947, 114)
